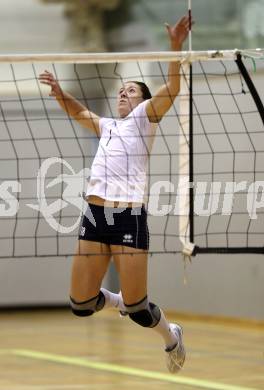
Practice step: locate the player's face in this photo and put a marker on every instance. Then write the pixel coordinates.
(129, 96)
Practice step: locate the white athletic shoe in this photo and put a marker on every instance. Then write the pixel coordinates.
(175, 356)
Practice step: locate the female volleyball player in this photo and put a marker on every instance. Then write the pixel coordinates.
(119, 229)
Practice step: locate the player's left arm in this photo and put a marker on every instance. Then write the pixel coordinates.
(161, 102)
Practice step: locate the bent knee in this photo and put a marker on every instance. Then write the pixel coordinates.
(89, 307)
(144, 313)
(142, 318)
(82, 313)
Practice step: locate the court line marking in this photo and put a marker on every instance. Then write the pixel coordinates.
(114, 368)
(46, 387)
(58, 387)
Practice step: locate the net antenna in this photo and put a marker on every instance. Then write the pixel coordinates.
(185, 187)
(190, 23)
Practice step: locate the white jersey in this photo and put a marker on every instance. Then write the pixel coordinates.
(119, 169)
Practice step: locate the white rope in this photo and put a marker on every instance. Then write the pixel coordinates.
(97, 58)
(255, 53)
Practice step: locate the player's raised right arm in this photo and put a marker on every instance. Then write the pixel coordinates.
(70, 105)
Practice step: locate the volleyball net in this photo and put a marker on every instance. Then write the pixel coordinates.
(205, 176)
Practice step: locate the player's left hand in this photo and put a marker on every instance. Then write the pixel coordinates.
(179, 32)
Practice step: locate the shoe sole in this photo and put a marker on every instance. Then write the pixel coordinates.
(179, 330)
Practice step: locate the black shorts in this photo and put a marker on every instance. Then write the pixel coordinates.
(109, 225)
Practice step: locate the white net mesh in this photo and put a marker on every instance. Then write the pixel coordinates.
(45, 155)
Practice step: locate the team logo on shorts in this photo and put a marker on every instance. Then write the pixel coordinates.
(128, 238)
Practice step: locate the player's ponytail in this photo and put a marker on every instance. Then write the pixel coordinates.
(144, 89)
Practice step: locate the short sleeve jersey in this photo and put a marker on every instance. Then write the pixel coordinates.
(119, 169)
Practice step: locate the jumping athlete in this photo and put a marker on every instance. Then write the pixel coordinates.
(115, 223)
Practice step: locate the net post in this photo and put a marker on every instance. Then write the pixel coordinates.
(191, 192)
(186, 226)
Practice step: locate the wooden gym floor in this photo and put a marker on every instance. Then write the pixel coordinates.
(53, 350)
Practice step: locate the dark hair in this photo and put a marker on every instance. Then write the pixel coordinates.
(144, 89)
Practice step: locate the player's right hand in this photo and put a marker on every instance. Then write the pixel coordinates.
(47, 78)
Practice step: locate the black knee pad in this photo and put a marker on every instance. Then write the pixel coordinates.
(142, 317)
(82, 313)
(88, 308)
(144, 313)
